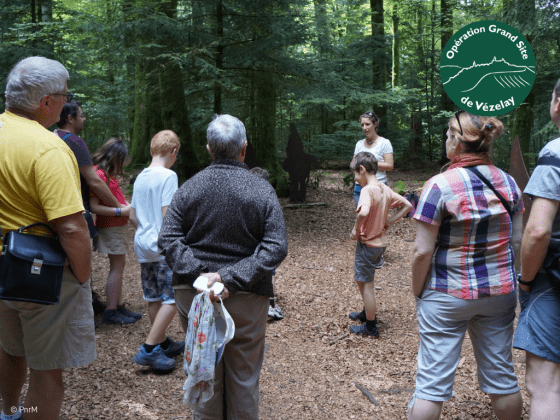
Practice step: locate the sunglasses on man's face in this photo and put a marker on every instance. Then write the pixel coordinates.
(67, 96)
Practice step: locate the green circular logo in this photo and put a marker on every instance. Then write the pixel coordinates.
(487, 68)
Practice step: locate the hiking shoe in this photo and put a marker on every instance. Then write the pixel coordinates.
(122, 309)
(271, 312)
(278, 312)
(175, 348)
(157, 360)
(361, 329)
(358, 316)
(380, 263)
(20, 413)
(113, 316)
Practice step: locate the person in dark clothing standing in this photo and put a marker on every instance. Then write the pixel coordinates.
(71, 123)
(227, 224)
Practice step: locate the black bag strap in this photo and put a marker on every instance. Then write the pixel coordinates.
(44, 225)
(549, 160)
(489, 185)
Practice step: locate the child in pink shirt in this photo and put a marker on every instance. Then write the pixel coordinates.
(372, 223)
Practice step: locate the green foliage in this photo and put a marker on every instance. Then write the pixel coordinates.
(349, 181)
(282, 62)
(400, 188)
(314, 179)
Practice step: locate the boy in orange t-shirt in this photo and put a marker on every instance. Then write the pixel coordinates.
(372, 222)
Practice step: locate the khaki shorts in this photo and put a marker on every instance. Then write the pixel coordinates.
(111, 240)
(51, 336)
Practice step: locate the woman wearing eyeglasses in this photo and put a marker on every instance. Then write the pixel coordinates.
(378, 146)
(463, 274)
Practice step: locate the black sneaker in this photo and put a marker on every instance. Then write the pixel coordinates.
(122, 309)
(362, 329)
(174, 348)
(112, 316)
(358, 316)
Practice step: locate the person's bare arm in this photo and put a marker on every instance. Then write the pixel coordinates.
(132, 217)
(388, 164)
(536, 237)
(424, 246)
(74, 238)
(98, 187)
(516, 236)
(404, 208)
(361, 214)
(102, 210)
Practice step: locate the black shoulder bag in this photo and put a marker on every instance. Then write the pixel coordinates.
(31, 266)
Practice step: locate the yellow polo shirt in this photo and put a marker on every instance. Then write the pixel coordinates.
(39, 177)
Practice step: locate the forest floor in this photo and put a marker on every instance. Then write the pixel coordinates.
(312, 366)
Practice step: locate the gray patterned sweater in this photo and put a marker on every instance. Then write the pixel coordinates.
(227, 220)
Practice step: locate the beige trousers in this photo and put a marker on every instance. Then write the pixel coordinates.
(240, 367)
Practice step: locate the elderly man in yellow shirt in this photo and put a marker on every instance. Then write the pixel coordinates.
(39, 182)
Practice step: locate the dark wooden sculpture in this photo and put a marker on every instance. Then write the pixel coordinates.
(518, 171)
(298, 165)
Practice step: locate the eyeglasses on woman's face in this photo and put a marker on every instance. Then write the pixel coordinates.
(458, 120)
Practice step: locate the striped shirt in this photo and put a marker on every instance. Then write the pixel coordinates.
(473, 257)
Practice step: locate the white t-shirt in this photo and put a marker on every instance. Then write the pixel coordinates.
(380, 148)
(153, 189)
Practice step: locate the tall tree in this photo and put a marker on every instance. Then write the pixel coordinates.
(379, 54)
(447, 7)
(523, 116)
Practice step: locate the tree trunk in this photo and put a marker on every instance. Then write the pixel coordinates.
(33, 12)
(523, 116)
(446, 34)
(523, 123)
(396, 49)
(379, 55)
(415, 144)
(175, 115)
(219, 57)
(321, 27)
(264, 139)
(140, 142)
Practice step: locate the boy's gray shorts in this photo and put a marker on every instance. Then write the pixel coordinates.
(365, 260)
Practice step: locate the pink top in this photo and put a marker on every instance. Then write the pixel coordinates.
(110, 221)
(377, 198)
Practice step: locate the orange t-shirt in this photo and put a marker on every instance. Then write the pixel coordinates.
(378, 198)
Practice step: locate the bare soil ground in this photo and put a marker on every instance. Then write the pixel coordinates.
(312, 366)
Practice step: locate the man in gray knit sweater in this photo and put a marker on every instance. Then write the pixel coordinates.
(227, 224)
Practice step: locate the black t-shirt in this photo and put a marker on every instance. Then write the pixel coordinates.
(83, 157)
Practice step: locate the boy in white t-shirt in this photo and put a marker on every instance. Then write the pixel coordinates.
(152, 193)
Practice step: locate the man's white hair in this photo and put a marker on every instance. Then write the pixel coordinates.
(226, 136)
(31, 79)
